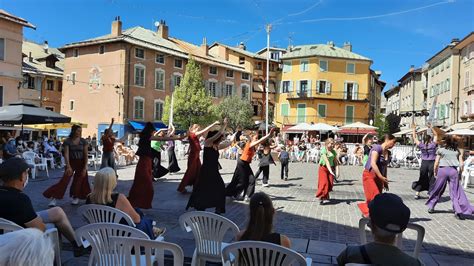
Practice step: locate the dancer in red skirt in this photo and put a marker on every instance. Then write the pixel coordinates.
(75, 155)
(325, 171)
(194, 162)
(141, 192)
(374, 177)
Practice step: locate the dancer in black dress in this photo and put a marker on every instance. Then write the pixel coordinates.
(209, 191)
(173, 166)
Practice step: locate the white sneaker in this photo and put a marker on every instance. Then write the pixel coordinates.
(265, 185)
(52, 203)
(246, 199)
(75, 201)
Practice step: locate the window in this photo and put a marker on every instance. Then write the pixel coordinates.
(349, 114)
(176, 80)
(301, 111)
(159, 79)
(448, 85)
(284, 109)
(350, 68)
(50, 85)
(140, 53)
(71, 105)
(213, 89)
(73, 78)
(230, 73)
(138, 108)
(213, 70)
(275, 55)
(139, 75)
(259, 66)
(1, 95)
(323, 86)
(158, 116)
(160, 58)
(467, 81)
(466, 107)
(304, 66)
(2, 50)
(241, 60)
(60, 85)
(303, 87)
(286, 67)
(285, 86)
(228, 90)
(75, 52)
(322, 110)
(178, 63)
(323, 65)
(30, 82)
(49, 108)
(102, 49)
(245, 76)
(245, 92)
(351, 91)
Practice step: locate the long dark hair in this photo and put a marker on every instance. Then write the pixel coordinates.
(147, 130)
(450, 142)
(386, 137)
(74, 128)
(261, 217)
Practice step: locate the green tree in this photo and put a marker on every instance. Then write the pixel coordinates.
(382, 124)
(191, 102)
(238, 112)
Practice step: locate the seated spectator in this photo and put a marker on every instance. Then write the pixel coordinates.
(103, 193)
(260, 225)
(16, 206)
(388, 217)
(26, 247)
(20, 145)
(359, 154)
(9, 149)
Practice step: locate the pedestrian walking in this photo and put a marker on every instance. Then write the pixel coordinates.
(75, 156)
(326, 171)
(428, 155)
(284, 157)
(448, 160)
(374, 177)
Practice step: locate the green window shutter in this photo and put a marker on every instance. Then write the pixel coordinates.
(301, 113)
(349, 114)
(309, 88)
(284, 109)
(328, 87)
(321, 110)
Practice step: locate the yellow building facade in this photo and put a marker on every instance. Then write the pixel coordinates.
(323, 84)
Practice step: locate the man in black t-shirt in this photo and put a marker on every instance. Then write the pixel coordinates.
(16, 206)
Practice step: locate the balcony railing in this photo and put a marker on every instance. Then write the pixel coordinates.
(337, 95)
(334, 119)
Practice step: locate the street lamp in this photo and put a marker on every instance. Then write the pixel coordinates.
(268, 29)
(119, 91)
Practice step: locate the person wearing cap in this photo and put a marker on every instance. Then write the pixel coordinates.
(389, 216)
(16, 206)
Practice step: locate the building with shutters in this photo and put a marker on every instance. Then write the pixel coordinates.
(323, 83)
(465, 50)
(127, 74)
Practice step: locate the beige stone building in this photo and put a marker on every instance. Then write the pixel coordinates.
(375, 94)
(11, 38)
(465, 49)
(42, 75)
(412, 98)
(127, 74)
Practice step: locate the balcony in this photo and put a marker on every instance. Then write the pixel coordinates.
(334, 119)
(314, 94)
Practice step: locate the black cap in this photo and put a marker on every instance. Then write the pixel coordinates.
(388, 212)
(12, 168)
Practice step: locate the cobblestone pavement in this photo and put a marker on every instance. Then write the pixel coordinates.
(317, 231)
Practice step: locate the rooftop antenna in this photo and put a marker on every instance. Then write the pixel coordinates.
(290, 38)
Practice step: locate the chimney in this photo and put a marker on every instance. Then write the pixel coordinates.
(204, 46)
(454, 41)
(331, 43)
(116, 27)
(412, 68)
(242, 46)
(347, 46)
(163, 29)
(45, 46)
(30, 58)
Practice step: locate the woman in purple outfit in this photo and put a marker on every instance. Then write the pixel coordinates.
(448, 160)
(428, 155)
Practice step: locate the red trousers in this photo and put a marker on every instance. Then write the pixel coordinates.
(80, 183)
(325, 182)
(372, 187)
(141, 192)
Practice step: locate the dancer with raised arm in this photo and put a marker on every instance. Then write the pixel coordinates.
(194, 162)
(157, 146)
(243, 179)
(209, 189)
(374, 177)
(108, 142)
(173, 166)
(428, 155)
(326, 169)
(448, 160)
(265, 160)
(141, 192)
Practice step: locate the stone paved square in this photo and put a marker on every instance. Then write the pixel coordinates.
(317, 231)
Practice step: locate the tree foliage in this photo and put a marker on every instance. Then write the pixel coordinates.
(191, 103)
(238, 112)
(382, 124)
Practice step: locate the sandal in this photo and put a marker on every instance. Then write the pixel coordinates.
(158, 231)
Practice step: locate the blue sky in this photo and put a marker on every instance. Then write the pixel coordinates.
(393, 33)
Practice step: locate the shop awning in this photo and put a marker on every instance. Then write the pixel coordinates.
(139, 125)
(465, 125)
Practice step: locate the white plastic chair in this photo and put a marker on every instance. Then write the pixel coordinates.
(8, 226)
(262, 254)
(95, 213)
(47, 159)
(98, 235)
(209, 230)
(30, 157)
(150, 251)
(419, 238)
